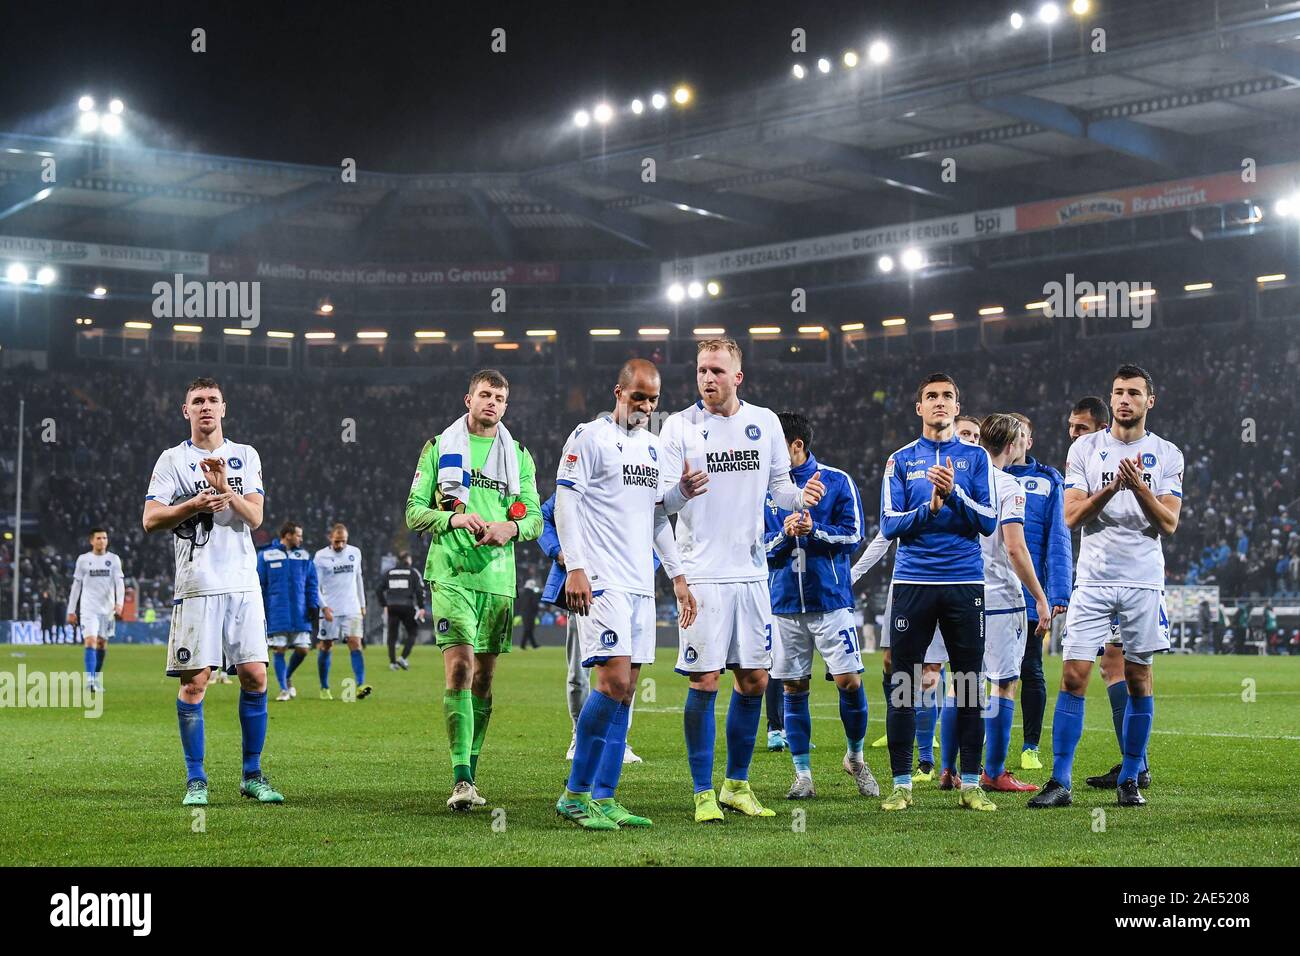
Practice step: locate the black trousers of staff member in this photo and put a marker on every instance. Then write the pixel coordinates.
(399, 617)
(958, 610)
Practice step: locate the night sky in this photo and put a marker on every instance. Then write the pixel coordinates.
(408, 87)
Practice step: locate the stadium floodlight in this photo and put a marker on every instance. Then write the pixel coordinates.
(713, 288)
(798, 71)
(375, 334)
(850, 58)
(1049, 13)
(99, 292)
(46, 275)
(430, 334)
(1141, 293)
(541, 333)
(823, 65)
(695, 290)
(878, 52)
(111, 124)
(279, 335)
(86, 103)
(992, 310)
(912, 259)
(581, 119)
(658, 101)
(764, 330)
(1035, 306)
(187, 328)
(853, 327)
(1275, 277)
(811, 329)
(710, 330)
(505, 346)
(16, 273)
(683, 95)
(326, 308)
(116, 106)
(676, 292)
(638, 107)
(653, 331)
(319, 336)
(141, 326)
(1287, 206)
(238, 331)
(603, 113)
(942, 316)
(893, 320)
(489, 333)
(88, 122)
(1080, 7)
(43, 195)
(1198, 287)
(1017, 21)
(885, 263)
(605, 332)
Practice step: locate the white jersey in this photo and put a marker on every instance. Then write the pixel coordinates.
(720, 533)
(1119, 546)
(226, 562)
(338, 573)
(97, 583)
(616, 473)
(1001, 586)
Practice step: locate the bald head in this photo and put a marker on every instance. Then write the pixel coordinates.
(637, 393)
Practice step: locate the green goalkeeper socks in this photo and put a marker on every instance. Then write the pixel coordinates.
(459, 713)
(482, 714)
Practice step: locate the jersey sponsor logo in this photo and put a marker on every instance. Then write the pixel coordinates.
(901, 623)
(479, 480)
(641, 476)
(608, 639)
(1148, 460)
(752, 432)
(235, 463)
(913, 475)
(733, 460)
(690, 655)
(570, 462)
(344, 568)
(654, 455)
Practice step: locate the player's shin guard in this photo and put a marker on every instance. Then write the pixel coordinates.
(252, 727)
(281, 671)
(948, 735)
(997, 735)
(775, 706)
(323, 668)
(593, 730)
(701, 730)
(359, 666)
(926, 715)
(1067, 728)
(742, 729)
(1118, 694)
(482, 707)
(1033, 695)
(798, 730)
(1137, 731)
(853, 715)
(610, 766)
(99, 656)
(298, 657)
(190, 718)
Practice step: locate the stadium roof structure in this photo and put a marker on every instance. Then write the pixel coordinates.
(1023, 121)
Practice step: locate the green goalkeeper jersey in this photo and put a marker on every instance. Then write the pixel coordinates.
(453, 557)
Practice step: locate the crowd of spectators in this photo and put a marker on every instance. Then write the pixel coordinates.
(346, 452)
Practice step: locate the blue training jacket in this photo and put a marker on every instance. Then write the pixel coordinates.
(549, 542)
(810, 573)
(942, 548)
(289, 588)
(1045, 531)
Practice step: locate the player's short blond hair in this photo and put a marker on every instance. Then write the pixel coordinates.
(998, 431)
(720, 345)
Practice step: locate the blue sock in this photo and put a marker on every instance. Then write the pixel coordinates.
(997, 735)
(742, 728)
(99, 657)
(926, 715)
(190, 718)
(853, 715)
(610, 767)
(359, 666)
(323, 668)
(298, 658)
(950, 744)
(88, 661)
(701, 730)
(798, 729)
(1137, 731)
(593, 727)
(252, 728)
(1067, 728)
(281, 671)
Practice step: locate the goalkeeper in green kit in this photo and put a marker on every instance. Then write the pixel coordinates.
(475, 491)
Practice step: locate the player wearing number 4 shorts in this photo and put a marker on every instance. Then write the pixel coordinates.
(475, 491)
(610, 521)
(1124, 488)
(208, 493)
(721, 459)
(808, 557)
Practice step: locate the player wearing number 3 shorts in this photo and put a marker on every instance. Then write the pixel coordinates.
(721, 458)
(808, 554)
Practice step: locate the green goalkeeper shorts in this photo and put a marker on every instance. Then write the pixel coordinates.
(462, 616)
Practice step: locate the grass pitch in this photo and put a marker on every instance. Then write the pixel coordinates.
(365, 783)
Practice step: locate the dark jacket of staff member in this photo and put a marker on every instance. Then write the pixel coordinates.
(402, 595)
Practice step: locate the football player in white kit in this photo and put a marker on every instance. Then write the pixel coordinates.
(1124, 488)
(99, 586)
(610, 521)
(343, 592)
(739, 450)
(208, 492)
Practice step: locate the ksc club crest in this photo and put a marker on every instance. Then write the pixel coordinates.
(900, 624)
(691, 655)
(443, 625)
(608, 639)
(752, 432)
